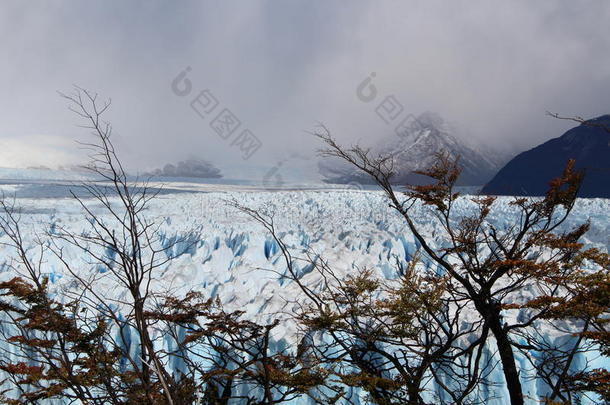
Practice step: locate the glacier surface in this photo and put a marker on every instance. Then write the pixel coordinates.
(225, 254)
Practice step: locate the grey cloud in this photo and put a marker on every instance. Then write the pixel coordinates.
(492, 68)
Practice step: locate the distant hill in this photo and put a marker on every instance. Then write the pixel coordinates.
(414, 149)
(529, 173)
(194, 168)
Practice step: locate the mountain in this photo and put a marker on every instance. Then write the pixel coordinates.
(529, 173)
(194, 168)
(414, 149)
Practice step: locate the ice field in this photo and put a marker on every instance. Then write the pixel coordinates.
(226, 254)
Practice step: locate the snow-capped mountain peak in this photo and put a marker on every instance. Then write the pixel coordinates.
(414, 147)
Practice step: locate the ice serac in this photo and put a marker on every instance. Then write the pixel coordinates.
(414, 148)
(529, 172)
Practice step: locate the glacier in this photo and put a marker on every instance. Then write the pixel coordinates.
(225, 254)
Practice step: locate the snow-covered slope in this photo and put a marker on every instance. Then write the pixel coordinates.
(232, 255)
(414, 148)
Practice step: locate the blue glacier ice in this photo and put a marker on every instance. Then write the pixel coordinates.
(224, 254)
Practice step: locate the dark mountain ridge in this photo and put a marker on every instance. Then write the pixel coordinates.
(529, 173)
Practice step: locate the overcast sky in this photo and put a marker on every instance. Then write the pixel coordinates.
(490, 68)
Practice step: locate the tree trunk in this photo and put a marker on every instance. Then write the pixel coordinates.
(414, 396)
(507, 357)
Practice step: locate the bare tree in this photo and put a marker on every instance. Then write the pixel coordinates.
(235, 358)
(589, 303)
(387, 337)
(122, 242)
(490, 267)
(104, 338)
(580, 120)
